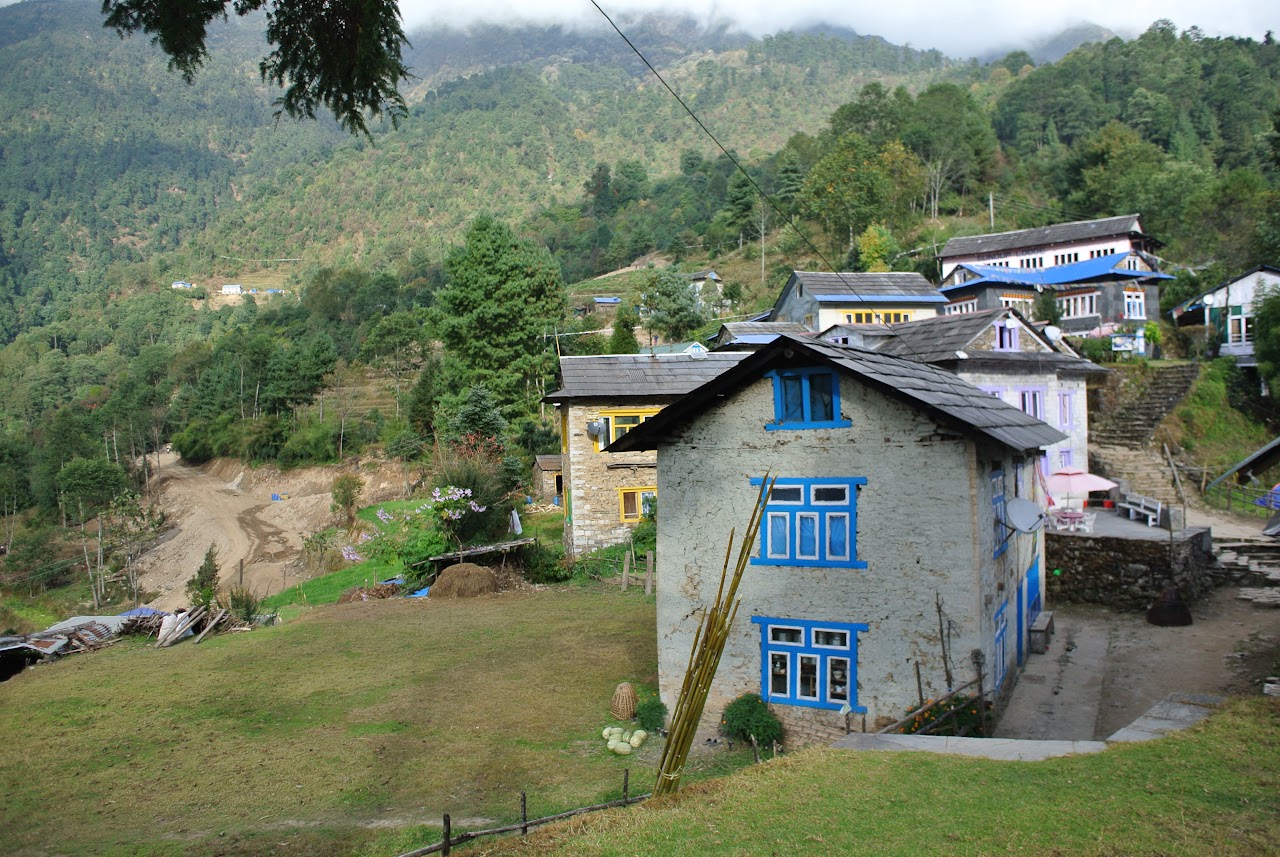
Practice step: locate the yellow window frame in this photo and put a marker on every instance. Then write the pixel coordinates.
(636, 513)
(631, 418)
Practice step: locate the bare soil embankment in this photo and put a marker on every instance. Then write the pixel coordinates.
(228, 504)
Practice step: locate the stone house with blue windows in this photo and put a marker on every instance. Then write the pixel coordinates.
(892, 478)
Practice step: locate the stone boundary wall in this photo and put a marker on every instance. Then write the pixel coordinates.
(1127, 574)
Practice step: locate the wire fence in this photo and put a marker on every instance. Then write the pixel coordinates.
(449, 840)
(1243, 499)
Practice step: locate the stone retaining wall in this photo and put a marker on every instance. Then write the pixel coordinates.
(1127, 574)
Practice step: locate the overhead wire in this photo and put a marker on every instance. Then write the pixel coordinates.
(738, 166)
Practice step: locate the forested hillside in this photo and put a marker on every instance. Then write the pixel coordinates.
(431, 262)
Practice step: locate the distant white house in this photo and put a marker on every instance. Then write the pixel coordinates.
(1229, 308)
(233, 289)
(181, 284)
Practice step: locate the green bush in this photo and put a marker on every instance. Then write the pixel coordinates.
(651, 714)
(749, 715)
(243, 603)
(542, 564)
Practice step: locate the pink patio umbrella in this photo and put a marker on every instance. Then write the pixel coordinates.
(1075, 482)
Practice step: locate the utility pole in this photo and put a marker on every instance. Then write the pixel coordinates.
(991, 209)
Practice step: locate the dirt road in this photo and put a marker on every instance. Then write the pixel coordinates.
(207, 510)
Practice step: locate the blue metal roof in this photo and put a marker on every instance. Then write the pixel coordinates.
(1059, 275)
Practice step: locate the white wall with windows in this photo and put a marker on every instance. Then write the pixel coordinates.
(1059, 401)
(862, 532)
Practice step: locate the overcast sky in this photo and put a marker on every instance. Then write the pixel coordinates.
(959, 28)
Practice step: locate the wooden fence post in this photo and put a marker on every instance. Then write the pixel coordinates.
(524, 814)
(648, 574)
(626, 783)
(626, 569)
(448, 833)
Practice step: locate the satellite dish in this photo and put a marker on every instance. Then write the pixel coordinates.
(1023, 515)
(962, 355)
(1053, 333)
(1012, 322)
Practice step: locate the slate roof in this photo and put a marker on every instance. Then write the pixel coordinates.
(950, 399)
(1025, 361)
(638, 376)
(1059, 233)
(932, 339)
(898, 286)
(1090, 270)
(754, 332)
(936, 340)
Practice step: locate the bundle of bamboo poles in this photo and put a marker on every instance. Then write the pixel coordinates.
(704, 656)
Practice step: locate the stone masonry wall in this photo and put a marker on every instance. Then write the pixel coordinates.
(593, 479)
(1127, 574)
(917, 530)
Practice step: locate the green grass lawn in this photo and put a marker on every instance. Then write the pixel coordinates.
(1214, 789)
(350, 730)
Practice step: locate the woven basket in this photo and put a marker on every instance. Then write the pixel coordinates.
(623, 705)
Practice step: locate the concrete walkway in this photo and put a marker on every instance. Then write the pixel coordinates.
(1175, 712)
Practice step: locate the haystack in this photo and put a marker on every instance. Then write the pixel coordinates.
(464, 580)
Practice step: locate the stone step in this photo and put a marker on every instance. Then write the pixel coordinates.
(1261, 597)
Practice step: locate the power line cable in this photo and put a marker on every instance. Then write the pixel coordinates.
(759, 191)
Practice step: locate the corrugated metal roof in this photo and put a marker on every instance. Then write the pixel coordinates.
(895, 284)
(1058, 233)
(945, 395)
(548, 462)
(653, 377)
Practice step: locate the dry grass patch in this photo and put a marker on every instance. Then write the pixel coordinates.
(309, 733)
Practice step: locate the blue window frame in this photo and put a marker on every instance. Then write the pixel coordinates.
(811, 522)
(1001, 643)
(809, 663)
(805, 399)
(998, 528)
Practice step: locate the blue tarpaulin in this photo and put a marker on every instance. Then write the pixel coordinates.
(421, 593)
(144, 611)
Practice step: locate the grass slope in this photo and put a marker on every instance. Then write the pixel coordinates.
(1211, 790)
(316, 736)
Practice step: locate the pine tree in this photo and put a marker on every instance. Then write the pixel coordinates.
(204, 585)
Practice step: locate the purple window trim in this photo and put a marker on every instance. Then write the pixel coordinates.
(1065, 414)
(1040, 394)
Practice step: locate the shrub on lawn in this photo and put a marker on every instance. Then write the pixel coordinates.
(748, 715)
(651, 714)
(542, 564)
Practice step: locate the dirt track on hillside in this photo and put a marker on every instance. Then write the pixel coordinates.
(230, 507)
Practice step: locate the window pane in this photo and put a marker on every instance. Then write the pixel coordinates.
(647, 501)
(808, 688)
(808, 535)
(830, 493)
(779, 680)
(791, 636)
(779, 535)
(836, 639)
(629, 508)
(837, 536)
(786, 494)
(820, 409)
(838, 680)
(792, 400)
